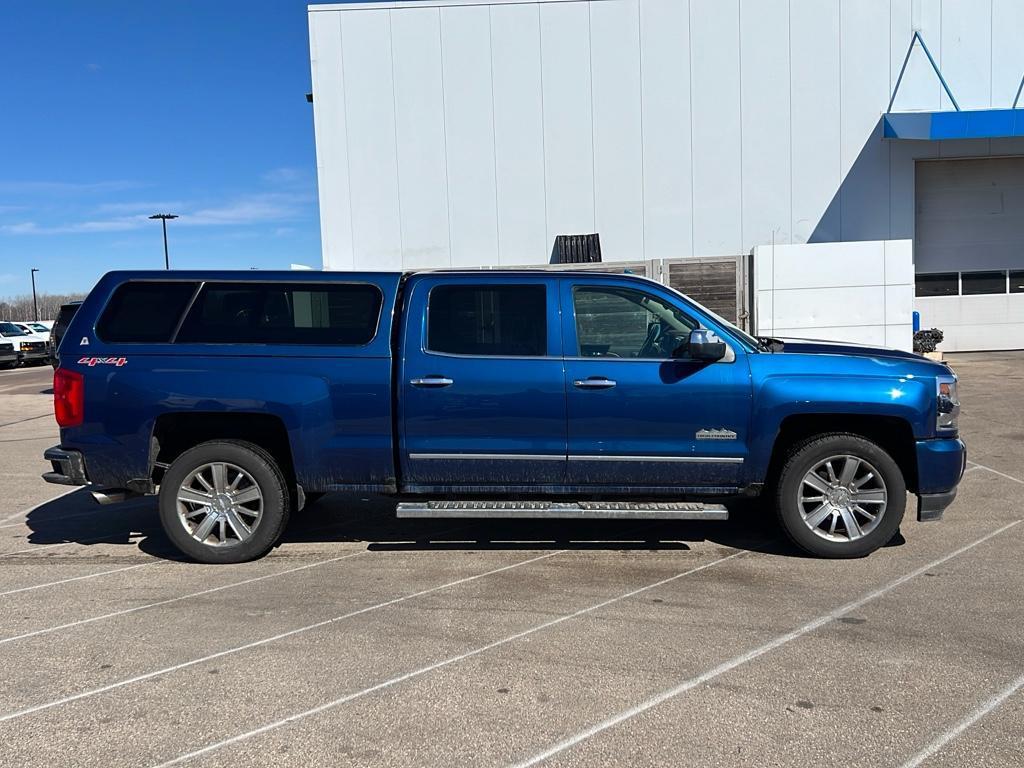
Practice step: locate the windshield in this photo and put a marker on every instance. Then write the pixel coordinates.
(39, 327)
(10, 329)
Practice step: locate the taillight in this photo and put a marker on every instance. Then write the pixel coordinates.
(68, 397)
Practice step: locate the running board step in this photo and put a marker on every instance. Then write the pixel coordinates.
(559, 510)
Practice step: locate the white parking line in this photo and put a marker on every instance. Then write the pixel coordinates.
(947, 736)
(437, 665)
(73, 578)
(146, 606)
(750, 655)
(92, 513)
(264, 641)
(996, 472)
(30, 510)
(93, 540)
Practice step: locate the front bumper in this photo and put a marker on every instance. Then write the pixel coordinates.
(940, 465)
(34, 354)
(68, 467)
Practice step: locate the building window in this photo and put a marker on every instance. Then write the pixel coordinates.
(488, 320)
(939, 284)
(978, 283)
(1017, 281)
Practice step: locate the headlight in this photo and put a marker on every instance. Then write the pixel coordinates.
(947, 404)
(25, 346)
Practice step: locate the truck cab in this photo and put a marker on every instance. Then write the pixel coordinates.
(235, 397)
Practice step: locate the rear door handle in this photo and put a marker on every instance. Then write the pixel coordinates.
(594, 382)
(432, 381)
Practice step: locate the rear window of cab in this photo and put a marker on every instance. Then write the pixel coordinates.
(189, 312)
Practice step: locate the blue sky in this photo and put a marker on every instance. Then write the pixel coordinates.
(115, 110)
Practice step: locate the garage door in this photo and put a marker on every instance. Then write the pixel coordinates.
(969, 251)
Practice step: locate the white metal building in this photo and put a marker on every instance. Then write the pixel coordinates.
(472, 132)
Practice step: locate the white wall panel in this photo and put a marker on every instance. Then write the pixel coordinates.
(920, 89)
(372, 161)
(967, 52)
(618, 152)
(331, 141)
(420, 138)
(672, 127)
(469, 121)
(814, 42)
(859, 292)
(568, 120)
(864, 85)
(519, 134)
(764, 37)
(667, 166)
(716, 126)
(1007, 50)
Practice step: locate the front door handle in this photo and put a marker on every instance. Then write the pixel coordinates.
(432, 381)
(594, 382)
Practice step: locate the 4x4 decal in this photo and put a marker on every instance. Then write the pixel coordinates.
(94, 361)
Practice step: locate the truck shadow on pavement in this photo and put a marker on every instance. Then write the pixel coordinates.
(76, 519)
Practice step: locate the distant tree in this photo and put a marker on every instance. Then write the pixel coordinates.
(19, 308)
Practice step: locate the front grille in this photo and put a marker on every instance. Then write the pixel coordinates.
(33, 346)
(6, 347)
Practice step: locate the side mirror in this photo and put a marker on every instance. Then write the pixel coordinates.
(704, 345)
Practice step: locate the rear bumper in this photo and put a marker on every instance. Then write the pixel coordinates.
(940, 465)
(68, 467)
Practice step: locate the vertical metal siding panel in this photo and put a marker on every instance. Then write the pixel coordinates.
(1007, 51)
(667, 166)
(469, 117)
(331, 140)
(568, 120)
(420, 131)
(764, 36)
(715, 60)
(518, 134)
(373, 163)
(815, 80)
(902, 154)
(967, 52)
(920, 89)
(865, 93)
(618, 151)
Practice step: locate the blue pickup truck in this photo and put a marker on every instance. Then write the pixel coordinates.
(238, 397)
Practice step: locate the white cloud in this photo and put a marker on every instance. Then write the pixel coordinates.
(122, 217)
(288, 176)
(14, 187)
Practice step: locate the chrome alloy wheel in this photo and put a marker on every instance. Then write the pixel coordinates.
(842, 498)
(219, 504)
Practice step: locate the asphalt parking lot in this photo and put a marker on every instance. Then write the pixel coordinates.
(366, 641)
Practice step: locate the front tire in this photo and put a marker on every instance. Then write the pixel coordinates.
(840, 496)
(224, 501)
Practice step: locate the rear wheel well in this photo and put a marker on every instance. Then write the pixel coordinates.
(175, 433)
(892, 434)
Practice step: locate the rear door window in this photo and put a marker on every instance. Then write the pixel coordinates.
(488, 320)
(144, 311)
(299, 313)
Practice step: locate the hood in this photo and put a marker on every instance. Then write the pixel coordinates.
(817, 347)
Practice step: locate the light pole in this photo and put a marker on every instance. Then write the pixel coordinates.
(35, 304)
(163, 220)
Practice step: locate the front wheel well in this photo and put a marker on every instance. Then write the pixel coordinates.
(892, 434)
(175, 433)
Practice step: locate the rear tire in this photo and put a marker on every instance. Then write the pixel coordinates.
(224, 501)
(840, 496)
